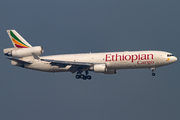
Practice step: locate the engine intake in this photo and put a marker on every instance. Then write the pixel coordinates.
(100, 68)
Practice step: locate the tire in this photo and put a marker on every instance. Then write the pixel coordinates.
(77, 76)
(89, 77)
(84, 78)
(153, 74)
(81, 76)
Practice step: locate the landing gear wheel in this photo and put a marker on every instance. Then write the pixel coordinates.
(153, 74)
(89, 77)
(84, 77)
(81, 76)
(77, 76)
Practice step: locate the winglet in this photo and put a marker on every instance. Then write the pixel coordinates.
(17, 40)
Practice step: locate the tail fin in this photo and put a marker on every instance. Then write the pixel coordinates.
(17, 40)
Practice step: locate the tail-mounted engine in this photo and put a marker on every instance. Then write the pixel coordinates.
(23, 52)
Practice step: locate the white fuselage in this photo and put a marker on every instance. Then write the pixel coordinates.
(113, 60)
(27, 56)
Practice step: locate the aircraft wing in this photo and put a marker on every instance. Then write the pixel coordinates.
(19, 61)
(68, 62)
(75, 66)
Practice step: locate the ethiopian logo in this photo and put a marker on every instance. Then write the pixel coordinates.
(140, 58)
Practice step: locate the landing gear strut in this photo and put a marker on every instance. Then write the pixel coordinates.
(84, 77)
(153, 74)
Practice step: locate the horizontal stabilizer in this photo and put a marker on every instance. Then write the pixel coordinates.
(19, 61)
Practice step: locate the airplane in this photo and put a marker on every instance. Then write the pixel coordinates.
(26, 56)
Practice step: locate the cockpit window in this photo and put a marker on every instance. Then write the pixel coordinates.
(169, 55)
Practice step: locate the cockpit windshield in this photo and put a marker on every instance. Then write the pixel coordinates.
(169, 55)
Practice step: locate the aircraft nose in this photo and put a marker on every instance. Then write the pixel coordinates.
(175, 59)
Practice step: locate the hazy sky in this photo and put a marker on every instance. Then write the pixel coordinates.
(80, 26)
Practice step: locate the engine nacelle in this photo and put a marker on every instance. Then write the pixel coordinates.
(23, 52)
(111, 71)
(100, 68)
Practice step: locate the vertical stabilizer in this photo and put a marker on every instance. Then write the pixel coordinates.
(17, 40)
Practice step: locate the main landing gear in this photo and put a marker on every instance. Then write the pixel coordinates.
(84, 77)
(153, 74)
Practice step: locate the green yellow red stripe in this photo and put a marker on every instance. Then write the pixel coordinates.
(17, 41)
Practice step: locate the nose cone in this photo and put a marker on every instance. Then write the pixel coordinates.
(174, 59)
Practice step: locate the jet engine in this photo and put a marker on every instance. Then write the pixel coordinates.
(111, 71)
(23, 52)
(101, 68)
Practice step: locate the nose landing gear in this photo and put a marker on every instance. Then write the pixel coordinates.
(84, 77)
(153, 74)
